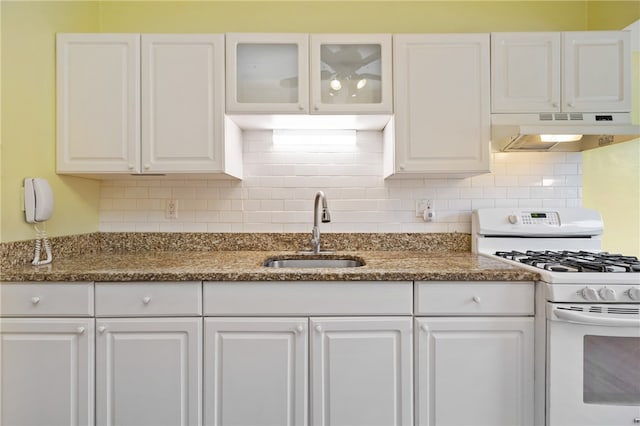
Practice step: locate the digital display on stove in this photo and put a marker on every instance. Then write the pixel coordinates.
(539, 215)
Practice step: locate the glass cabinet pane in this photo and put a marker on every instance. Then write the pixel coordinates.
(267, 73)
(351, 73)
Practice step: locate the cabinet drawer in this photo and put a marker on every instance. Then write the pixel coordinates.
(149, 299)
(279, 298)
(46, 299)
(473, 298)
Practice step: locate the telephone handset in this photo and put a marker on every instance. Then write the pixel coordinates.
(38, 207)
(38, 200)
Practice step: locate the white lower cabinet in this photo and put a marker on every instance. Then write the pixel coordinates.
(46, 354)
(148, 371)
(149, 353)
(361, 371)
(342, 349)
(46, 371)
(256, 371)
(474, 356)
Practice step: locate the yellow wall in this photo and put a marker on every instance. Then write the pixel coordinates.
(28, 116)
(28, 57)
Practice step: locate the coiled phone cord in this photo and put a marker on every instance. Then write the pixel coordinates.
(41, 239)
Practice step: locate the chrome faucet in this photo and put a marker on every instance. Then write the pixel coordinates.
(326, 218)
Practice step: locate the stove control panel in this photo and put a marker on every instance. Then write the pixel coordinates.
(548, 218)
(621, 293)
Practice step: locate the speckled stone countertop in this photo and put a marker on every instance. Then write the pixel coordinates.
(430, 258)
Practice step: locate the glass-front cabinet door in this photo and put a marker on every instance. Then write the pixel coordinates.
(350, 73)
(267, 73)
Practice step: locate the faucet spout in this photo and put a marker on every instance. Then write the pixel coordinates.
(326, 217)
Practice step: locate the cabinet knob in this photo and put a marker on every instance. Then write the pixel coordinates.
(130, 166)
(35, 300)
(147, 167)
(554, 104)
(316, 107)
(424, 328)
(102, 329)
(476, 299)
(570, 105)
(80, 330)
(318, 328)
(146, 300)
(301, 107)
(299, 329)
(402, 166)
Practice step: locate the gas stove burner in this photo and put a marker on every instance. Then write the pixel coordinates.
(574, 261)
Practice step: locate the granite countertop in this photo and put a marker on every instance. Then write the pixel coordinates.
(241, 265)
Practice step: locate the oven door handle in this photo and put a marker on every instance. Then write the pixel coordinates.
(581, 318)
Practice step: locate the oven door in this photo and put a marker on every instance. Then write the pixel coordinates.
(593, 364)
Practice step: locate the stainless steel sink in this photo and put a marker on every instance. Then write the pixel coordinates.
(313, 263)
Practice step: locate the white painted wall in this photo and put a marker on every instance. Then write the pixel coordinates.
(276, 194)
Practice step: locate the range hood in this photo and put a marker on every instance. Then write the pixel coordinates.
(522, 132)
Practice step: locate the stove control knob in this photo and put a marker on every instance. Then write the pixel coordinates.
(513, 219)
(589, 293)
(607, 293)
(634, 293)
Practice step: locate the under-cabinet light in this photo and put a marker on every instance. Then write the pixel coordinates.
(320, 140)
(560, 138)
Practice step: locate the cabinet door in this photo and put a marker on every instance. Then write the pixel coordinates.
(182, 103)
(361, 371)
(351, 73)
(267, 73)
(256, 371)
(98, 110)
(474, 371)
(597, 71)
(525, 72)
(148, 371)
(47, 372)
(442, 108)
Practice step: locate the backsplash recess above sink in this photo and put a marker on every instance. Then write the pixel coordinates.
(276, 194)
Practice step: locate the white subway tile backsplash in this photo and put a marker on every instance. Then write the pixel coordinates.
(277, 192)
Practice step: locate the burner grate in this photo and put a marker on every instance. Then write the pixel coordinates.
(574, 261)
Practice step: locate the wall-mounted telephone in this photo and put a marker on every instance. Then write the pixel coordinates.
(38, 207)
(38, 200)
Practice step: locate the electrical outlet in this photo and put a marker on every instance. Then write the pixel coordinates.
(421, 206)
(172, 209)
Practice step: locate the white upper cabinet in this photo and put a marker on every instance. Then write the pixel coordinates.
(442, 106)
(302, 74)
(98, 103)
(597, 71)
(182, 102)
(586, 71)
(173, 85)
(267, 72)
(525, 72)
(351, 73)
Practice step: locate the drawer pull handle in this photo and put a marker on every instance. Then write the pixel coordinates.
(80, 330)
(102, 329)
(35, 300)
(299, 329)
(476, 299)
(146, 300)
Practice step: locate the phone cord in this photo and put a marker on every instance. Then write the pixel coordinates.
(41, 238)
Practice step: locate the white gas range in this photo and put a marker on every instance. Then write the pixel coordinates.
(590, 321)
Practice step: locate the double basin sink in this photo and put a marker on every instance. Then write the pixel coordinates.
(313, 262)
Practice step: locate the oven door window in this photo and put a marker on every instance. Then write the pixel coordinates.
(611, 370)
